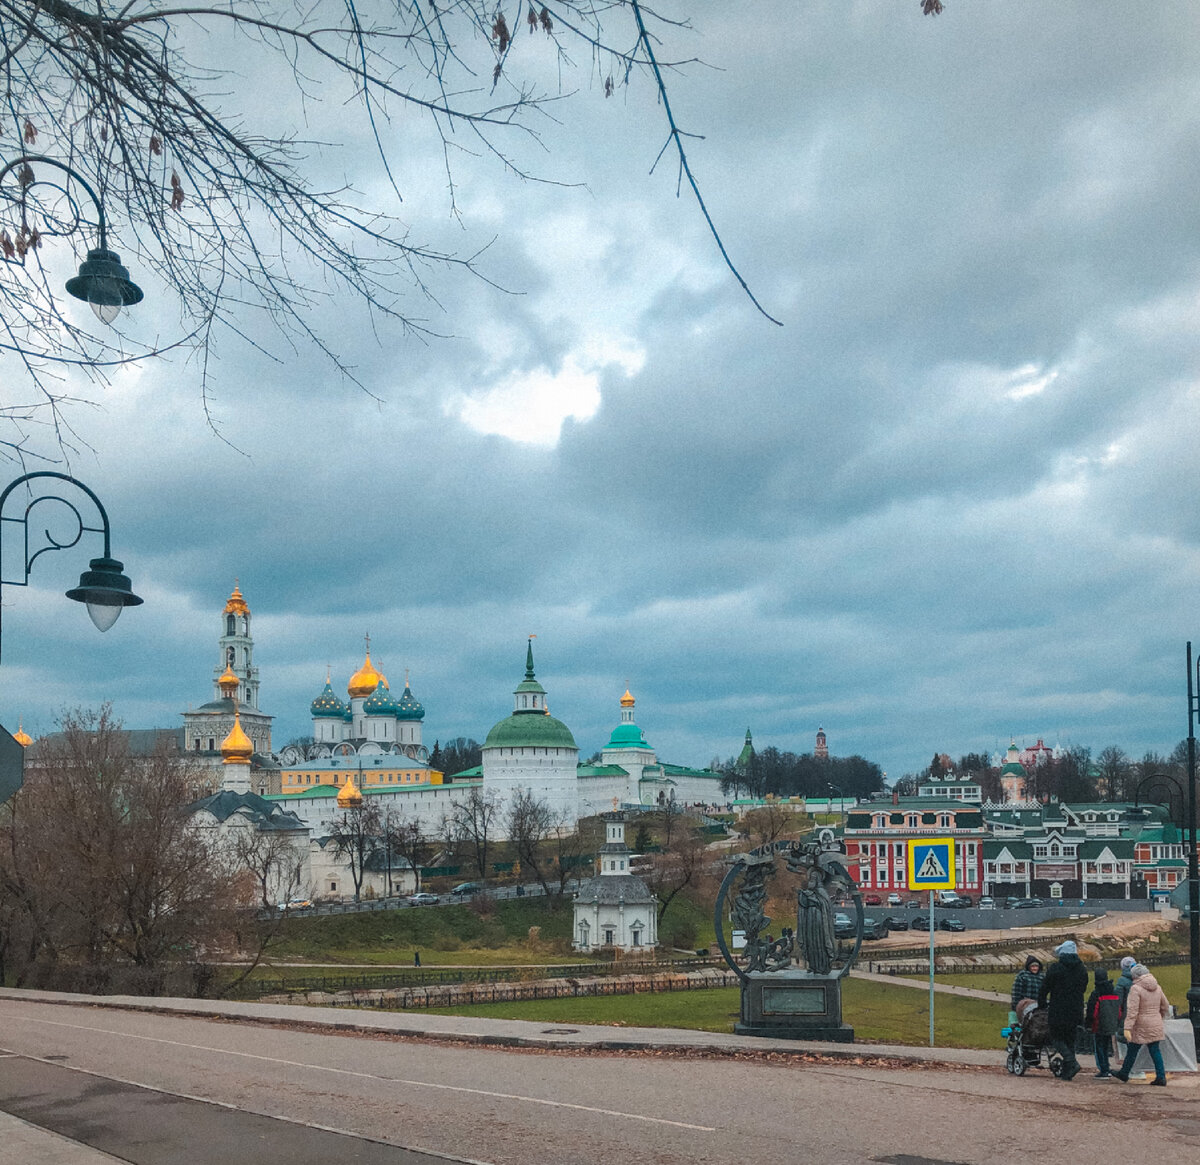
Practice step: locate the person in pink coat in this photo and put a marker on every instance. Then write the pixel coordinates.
(1144, 1014)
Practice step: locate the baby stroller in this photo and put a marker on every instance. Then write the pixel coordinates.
(1029, 1043)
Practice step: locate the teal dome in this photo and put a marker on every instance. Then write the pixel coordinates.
(380, 703)
(407, 707)
(627, 736)
(530, 730)
(327, 705)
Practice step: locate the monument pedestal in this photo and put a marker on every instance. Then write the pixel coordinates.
(793, 1005)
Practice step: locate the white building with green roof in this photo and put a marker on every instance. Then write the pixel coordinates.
(531, 750)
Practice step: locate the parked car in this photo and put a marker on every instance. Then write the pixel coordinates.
(872, 900)
(952, 900)
(913, 904)
(466, 889)
(896, 922)
(843, 926)
(987, 902)
(423, 899)
(1027, 904)
(874, 928)
(894, 899)
(921, 922)
(956, 924)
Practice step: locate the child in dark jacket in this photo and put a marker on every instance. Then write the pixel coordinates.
(1103, 1021)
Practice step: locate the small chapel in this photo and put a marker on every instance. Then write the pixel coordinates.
(615, 908)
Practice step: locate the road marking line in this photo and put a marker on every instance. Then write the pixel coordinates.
(657, 1120)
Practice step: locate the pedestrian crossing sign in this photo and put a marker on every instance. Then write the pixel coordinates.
(931, 864)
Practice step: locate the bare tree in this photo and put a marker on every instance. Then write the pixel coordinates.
(273, 858)
(141, 99)
(475, 819)
(668, 818)
(676, 868)
(530, 825)
(355, 835)
(402, 837)
(100, 864)
(769, 822)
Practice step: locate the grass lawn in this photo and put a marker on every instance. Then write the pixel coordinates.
(1174, 980)
(878, 1012)
(459, 935)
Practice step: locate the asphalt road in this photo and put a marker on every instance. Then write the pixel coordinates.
(151, 1089)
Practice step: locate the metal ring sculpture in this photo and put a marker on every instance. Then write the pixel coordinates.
(754, 868)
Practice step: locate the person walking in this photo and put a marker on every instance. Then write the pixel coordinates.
(1148, 1008)
(1063, 988)
(1103, 1021)
(1124, 982)
(1026, 985)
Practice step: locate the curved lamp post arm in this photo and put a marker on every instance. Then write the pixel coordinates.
(103, 587)
(102, 283)
(41, 159)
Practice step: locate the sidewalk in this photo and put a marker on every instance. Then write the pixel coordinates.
(513, 1033)
(29, 1145)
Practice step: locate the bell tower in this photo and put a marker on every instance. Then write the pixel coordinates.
(237, 651)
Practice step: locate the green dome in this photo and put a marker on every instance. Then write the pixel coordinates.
(627, 736)
(327, 705)
(407, 708)
(530, 729)
(380, 703)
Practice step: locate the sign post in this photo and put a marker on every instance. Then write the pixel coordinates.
(12, 765)
(931, 867)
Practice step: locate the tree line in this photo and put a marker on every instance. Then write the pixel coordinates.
(788, 774)
(1077, 775)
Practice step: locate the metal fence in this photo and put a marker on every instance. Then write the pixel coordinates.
(441, 976)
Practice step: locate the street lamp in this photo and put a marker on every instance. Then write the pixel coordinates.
(102, 283)
(842, 796)
(1193, 995)
(102, 587)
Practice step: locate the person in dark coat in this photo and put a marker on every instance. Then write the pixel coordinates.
(1064, 987)
(1026, 985)
(1103, 1021)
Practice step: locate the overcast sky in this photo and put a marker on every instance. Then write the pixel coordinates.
(949, 502)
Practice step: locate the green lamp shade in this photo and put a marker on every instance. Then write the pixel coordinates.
(105, 590)
(105, 285)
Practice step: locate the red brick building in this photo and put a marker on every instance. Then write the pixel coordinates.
(877, 837)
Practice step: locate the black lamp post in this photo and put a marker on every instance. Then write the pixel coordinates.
(1193, 995)
(102, 283)
(102, 587)
(842, 797)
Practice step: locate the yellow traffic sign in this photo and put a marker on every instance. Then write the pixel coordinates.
(931, 863)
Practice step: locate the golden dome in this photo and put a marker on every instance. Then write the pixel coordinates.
(21, 736)
(349, 796)
(364, 681)
(237, 747)
(227, 682)
(627, 700)
(236, 604)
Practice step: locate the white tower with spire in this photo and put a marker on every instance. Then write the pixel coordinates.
(235, 690)
(532, 750)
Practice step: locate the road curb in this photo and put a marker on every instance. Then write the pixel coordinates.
(517, 1034)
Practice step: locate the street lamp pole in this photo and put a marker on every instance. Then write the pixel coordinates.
(1193, 995)
(103, 587)
(842, 800)
(102, 283)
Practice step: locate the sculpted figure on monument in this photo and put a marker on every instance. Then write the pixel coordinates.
(818, 946)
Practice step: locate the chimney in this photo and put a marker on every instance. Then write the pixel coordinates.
(895, 796)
